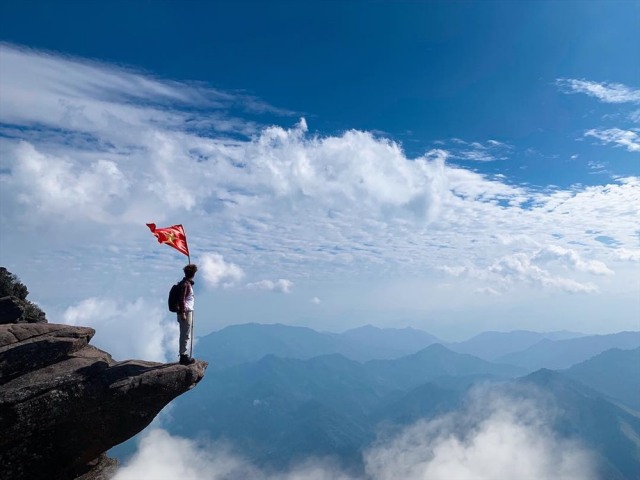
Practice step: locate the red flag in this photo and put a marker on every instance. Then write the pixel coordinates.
(173, 236)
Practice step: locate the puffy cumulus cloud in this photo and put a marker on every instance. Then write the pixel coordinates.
(281, 285)
(116, 146)
(315, 301)
(59, 187)
(603, 91)
(496, 436)
(354, 172)
(126, 329)
(217, 272)
(628, 139)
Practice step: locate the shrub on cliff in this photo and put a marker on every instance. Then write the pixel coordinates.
(11, 286)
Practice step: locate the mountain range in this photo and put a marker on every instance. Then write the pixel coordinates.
(565, 353)
(238, 344)
(282, 394)
(531, 351)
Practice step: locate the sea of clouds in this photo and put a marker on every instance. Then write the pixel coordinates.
(497, 435)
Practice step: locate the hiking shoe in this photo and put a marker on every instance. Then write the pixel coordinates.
(186, 360)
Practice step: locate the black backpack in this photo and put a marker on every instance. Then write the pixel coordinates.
(174, 296)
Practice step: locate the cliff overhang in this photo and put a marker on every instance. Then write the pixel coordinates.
(63, 402)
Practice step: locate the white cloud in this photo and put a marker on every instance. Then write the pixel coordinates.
(625, 138)
(281, 285)
(493, 438)
(488, 291)
(489, 151)
(58, 187)
(628, 254)
(519, 267)
(135, 330)
(103, 150)
(161, 456)
(603, 91)
(217, 272)
(532, 265)
(315, 300)
(573, 260)
(455, 271)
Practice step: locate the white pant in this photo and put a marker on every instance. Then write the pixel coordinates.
(185, 331)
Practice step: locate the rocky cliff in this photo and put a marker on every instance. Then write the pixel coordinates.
(63, 402)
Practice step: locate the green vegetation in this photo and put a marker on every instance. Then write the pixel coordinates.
(11, 286)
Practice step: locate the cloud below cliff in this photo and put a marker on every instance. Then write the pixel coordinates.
(494, 438)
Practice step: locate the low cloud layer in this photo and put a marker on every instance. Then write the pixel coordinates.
(495, 437)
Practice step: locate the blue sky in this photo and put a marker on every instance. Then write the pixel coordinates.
(452, 166)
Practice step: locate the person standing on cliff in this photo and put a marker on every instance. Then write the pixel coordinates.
(186, 304)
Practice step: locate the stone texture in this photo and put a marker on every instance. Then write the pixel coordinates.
(63, 402)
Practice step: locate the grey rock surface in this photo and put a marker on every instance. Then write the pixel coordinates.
(63, 402)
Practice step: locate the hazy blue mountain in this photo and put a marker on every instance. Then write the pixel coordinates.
(425, 401)
(277, 409)
(433, 362)
(389, 342)
(563, 354)
(238, 344)
(269, 408)
(615, 373)
(610, 431)
(492, 345)
(318, 431)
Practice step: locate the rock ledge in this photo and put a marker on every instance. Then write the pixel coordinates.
(63, 402)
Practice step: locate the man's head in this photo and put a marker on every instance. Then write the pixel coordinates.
(190, 270)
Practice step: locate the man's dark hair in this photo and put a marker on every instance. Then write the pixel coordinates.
(190, 270)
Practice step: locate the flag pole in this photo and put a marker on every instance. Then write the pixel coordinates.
(193, 313)
(193, 321)
(184, 231)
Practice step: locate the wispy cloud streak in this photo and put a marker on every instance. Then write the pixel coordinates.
(628, 139)
(603, 91)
